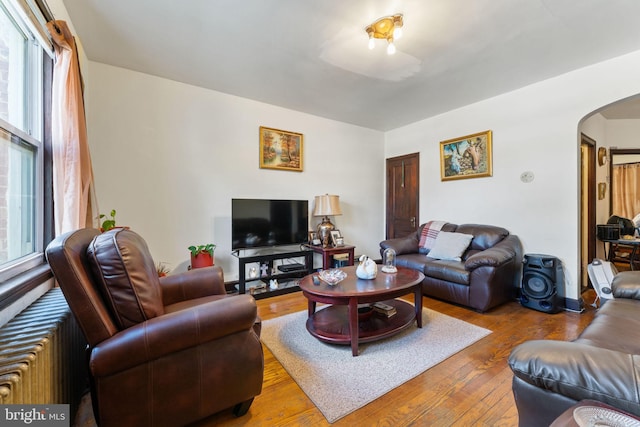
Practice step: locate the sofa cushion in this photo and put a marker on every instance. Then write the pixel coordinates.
(450, 246)
(484, 236)
(126, 273)
(606, 329)
(449, 271)
(413, 261)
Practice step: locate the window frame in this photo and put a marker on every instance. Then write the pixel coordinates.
(24, 263)
(30, 272)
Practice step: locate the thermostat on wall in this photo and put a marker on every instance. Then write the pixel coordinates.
(526, 176)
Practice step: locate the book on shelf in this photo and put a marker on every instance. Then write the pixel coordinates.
(384, 309)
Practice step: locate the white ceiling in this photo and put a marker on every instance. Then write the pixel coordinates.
(312, 56)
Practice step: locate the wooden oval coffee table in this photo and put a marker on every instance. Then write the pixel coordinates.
(340, 322)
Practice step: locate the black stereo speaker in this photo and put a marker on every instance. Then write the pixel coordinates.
(542, 277)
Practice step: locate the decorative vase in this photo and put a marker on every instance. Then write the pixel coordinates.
(203, 259)
(367, 269)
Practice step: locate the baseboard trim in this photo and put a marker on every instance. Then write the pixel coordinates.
(576, 305)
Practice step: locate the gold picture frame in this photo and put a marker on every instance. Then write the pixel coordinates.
(280, 149)
(466, 157)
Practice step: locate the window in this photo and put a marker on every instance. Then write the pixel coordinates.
(19, 201)
(20, 73)
(12, 60)
(22, 128)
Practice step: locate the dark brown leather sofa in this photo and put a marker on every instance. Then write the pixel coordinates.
(602, 364)
(488, 274)
(161, 351)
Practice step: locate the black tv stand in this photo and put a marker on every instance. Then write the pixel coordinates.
(285, 275)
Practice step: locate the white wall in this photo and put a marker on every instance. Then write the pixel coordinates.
(535, 128)
(169, 158)
(595, 127)
(623, 133)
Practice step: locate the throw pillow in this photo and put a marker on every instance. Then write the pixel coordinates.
(450, 246)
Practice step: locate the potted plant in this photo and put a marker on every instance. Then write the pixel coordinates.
(109, 223)
(202, 255)
(162, 269)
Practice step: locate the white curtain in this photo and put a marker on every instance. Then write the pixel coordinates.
(73, 189)
(626, 181)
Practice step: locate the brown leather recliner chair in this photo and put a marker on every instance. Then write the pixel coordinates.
(161, 351)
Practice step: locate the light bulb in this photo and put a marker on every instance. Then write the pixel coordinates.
(372, 43)
(397, 33)
(391, 48)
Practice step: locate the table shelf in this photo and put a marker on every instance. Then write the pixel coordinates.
(328, 253)
(267, 256)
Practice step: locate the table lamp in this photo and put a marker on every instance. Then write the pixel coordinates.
(325, 206)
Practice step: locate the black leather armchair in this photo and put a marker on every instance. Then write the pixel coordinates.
(162, 351)
(602, 364)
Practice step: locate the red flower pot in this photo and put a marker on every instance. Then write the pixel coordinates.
(203, 259)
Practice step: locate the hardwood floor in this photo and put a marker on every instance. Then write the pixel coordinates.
(473, 387)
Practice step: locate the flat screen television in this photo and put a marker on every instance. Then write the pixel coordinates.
(259, 223)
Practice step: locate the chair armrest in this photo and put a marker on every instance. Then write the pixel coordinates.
(402, 245)
(626, 284)
(173, 332)
(195, 283)
(579, 371)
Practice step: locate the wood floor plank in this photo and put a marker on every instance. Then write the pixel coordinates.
(473, 387)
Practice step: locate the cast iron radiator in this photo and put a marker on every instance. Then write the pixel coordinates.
(42, 355)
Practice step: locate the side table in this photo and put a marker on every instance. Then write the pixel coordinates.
(632, 246)
(328, 253)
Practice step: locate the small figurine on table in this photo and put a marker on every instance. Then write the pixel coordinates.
(263, 269)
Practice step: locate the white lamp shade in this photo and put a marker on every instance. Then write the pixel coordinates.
(327, 205)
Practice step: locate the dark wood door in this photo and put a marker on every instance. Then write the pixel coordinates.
(402, 195)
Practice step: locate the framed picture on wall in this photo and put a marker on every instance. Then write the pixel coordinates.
(466, 157)
(280, 149)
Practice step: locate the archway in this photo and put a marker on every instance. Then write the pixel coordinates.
(614, 126)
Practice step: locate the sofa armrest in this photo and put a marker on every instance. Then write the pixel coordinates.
(579, 371)
(402, 245)
(626, 284)
(502, 252)
(492, 257)
(173, 332)
(192, 284)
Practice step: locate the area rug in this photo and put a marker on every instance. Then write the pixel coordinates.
(339, 383)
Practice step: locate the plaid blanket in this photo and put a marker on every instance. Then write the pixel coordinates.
(430, 233)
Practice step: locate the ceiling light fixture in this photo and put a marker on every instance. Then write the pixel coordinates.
(387, 28)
